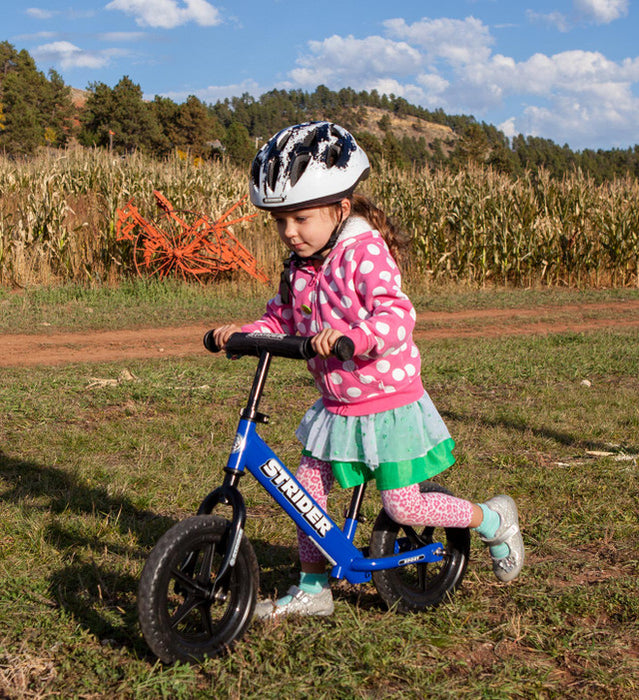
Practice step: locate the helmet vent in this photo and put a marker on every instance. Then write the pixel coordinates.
(272, 172)
(332, 155)
(299, 167)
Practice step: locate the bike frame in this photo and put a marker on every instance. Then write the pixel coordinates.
(251, 453)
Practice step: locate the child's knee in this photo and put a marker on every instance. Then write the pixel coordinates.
(395, 506)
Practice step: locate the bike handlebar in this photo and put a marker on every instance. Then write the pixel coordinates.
(292, 346)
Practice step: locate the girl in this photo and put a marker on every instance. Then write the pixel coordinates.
(374, 420)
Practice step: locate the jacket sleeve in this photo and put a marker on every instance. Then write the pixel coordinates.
(387, 314)
(277, 319)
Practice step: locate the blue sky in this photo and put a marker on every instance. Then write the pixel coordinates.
(568, 71)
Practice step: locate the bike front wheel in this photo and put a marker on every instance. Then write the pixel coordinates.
(184, 612)
(416, 587)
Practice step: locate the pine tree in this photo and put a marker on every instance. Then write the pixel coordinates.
(120, 117)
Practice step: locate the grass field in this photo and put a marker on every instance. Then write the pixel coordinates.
(97, 461)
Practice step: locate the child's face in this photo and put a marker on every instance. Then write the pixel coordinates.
(305, 231)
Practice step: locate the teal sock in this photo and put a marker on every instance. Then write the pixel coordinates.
(313, 583)
(309, 583)
(488, 528)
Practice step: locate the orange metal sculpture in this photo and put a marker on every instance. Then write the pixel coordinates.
(174, 247)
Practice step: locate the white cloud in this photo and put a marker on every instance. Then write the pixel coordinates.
(39, 13)
(36, 36)
(575, 96)
(458, 42)
(552, 19)
(602, 11)
(584, 123)
(121, 36)
(68, 56)
(347, 60)
(213, 93)
(168, 14)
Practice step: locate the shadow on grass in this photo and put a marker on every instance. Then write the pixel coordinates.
(561, 438)
(102, 597)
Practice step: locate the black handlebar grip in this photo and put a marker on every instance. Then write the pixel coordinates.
(209, 342)
(343, 348)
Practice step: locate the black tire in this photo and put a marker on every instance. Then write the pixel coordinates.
(179, 619)
(416, 587)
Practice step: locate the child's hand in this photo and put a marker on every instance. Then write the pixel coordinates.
(223, 333)
(323, 342)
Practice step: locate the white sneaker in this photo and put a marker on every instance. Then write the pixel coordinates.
(301, 603)
(506, 568)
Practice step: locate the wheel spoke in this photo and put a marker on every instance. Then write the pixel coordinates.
(185, 609)
(190, 584)
(204, 576)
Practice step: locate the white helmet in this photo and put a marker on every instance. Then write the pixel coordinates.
(307, 165)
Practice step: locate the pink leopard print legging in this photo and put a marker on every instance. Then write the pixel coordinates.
(406, 505)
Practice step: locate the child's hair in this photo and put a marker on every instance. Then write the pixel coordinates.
(396, 239)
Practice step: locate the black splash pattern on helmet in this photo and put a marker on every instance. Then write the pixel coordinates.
(288, 156)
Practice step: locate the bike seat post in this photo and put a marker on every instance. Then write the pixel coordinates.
(352, 514)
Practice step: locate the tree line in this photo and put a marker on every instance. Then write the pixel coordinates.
(37, 110)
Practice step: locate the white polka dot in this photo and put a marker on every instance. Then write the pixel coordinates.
(337, 313)
(382, 328)
(410, 370)
(348, 366)
(401, 332)
(361, 288)
(366, 379)
(336, 378)
(354, 392)
(346, 302)
(398, 374)
(414, 351)
(366, 267)
(351, 285)
(362, 313)
(373, 249)
(301, 327)
(413, 315)
(300, 284)
(398, 280)
(348, 255)
(385, 275)
(312, 297)
(333, 286)
(379, 290)
(398, 311)
(322, 297)
(287, 314)
(315, 327)
(390, 389)
(339, 273)
(383, 366)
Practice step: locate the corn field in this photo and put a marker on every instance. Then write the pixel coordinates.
(58, 212)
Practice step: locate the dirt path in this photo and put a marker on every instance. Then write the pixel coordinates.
(22, 350)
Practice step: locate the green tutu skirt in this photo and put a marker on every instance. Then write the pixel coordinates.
(396, 448)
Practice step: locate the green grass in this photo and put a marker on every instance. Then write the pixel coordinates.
(92, 473)
(140, 303)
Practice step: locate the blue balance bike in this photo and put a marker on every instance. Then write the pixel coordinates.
(200, 582)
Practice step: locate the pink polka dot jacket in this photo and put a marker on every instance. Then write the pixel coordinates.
(357, 290)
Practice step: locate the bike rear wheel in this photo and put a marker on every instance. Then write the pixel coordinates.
(184, 612)
(416, 587)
